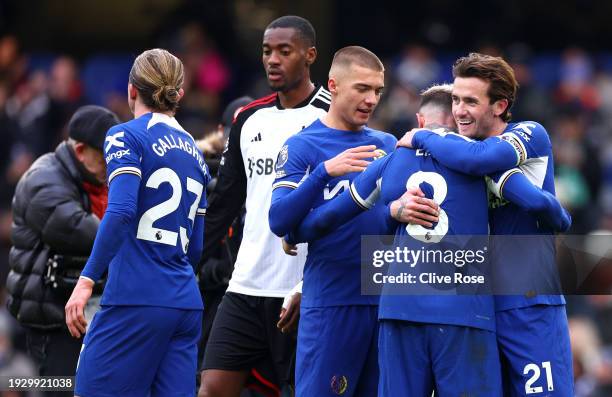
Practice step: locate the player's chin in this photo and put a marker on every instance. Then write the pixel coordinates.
(467, 130)
(277, 86)
(362, 117)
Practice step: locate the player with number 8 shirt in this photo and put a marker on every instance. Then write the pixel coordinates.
(417, 332)
(429, 342)
(532, 329)
(144, 339)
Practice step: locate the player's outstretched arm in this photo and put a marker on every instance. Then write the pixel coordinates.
(362, 195)
(514, 186)
(466, 155)
(291, 201)
(326, 218)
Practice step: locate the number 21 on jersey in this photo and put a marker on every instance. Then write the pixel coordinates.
(529, 389)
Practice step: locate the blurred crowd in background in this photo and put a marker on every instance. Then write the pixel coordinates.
(569, 92)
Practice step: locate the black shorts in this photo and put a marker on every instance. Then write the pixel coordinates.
(244, 336)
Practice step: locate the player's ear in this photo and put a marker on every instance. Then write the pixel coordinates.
(132, 92)
(311, 55)
(332, 86)
(181, 92)
(500, 106)
(420, 120)
(450, 122)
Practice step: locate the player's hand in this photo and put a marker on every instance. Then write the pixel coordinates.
(415, 209)
(290, 249)
(75, 308)
(290, 313)
(351, 160)
(406, 140)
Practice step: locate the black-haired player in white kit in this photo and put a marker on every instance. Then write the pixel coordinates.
(244, 333)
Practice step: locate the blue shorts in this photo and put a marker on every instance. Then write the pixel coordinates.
(336, 351)
(139, 351)
(535, 351)
(417, 358)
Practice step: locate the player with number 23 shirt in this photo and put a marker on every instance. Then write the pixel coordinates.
(144, 339)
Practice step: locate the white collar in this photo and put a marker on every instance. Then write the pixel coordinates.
(164, 118)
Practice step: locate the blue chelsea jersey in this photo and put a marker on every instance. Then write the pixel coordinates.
(525, 145)
(533, 148)
(332, 268)
(463, 212)
(151, 266)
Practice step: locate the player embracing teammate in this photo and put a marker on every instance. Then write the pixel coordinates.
(532, 330)
(426, 343)
(532, 334)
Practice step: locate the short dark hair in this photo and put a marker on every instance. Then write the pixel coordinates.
(440, 96)
(357, 55)
(496, 71)
(301, 25)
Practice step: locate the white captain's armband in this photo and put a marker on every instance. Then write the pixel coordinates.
(517, 145)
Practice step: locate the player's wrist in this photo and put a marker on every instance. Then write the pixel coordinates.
(324, 170)
(289, 239)
(85, 281)
(396, 208)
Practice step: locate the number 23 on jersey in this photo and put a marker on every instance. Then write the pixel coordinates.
(146, 230)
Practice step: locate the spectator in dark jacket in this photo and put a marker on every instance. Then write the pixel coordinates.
(57, 207)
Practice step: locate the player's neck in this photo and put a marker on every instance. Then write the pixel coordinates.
(498, 128)
(293, 97)
(335, 121)
(141, 108)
